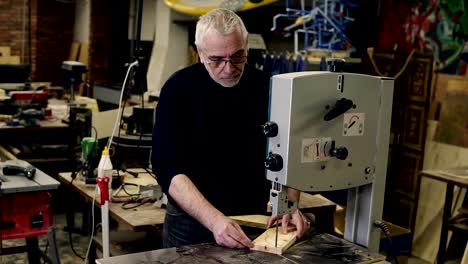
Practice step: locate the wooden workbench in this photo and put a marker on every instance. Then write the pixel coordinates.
(138, 219)
(452, 177)
(147, 216)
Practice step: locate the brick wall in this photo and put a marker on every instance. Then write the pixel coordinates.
(11, 25)
(54, 36)
(100, 30)
(51, 35)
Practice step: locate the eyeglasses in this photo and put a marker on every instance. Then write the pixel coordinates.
(219, 62)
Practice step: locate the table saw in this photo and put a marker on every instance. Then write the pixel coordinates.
(25, 207)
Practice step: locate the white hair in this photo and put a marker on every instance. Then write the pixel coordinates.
(222, 20)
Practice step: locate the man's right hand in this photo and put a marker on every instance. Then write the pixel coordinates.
(229, 234)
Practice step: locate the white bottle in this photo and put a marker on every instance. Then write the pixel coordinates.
(105, 169)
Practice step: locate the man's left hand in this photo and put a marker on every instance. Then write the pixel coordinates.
(297, 219)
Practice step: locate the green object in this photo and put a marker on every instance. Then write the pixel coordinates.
(89, 148)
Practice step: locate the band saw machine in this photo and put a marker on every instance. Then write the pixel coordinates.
(330, 131)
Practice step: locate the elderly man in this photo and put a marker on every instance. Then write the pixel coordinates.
(208, 146)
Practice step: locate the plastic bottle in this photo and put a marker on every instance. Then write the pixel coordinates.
(105, 169)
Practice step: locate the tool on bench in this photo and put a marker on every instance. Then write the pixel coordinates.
(10, 168)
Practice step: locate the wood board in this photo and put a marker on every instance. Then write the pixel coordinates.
(266, 241)
(5, 51)
(426, 235)
(10, 60)
(74, 51)
(257, 221)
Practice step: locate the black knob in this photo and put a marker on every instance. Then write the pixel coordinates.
(274, 162)
(340, 153)
(336, 65)
(270, 129)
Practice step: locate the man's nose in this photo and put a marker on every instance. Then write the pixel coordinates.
(228, 67)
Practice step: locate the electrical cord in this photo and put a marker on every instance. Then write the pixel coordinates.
(122, 188)
(134, 203)
(45, 250)
(149, 172)
(386, 230)
(117, 122)
(125, 191)
(72, 247)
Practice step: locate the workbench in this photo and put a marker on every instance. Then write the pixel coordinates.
(316, 247)
(453, 177)
(26, 211)
(49, 132)
(148, 216)
(142, 218)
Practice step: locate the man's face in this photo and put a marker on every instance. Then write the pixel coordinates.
(224, 57)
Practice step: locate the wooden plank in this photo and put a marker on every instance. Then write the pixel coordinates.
(74, 51)
(308, 201)
(5, 51)
(257, 221)
(437, 156)
(9, 60)
(453, 125)
(84, 53)
(84, 58)
(5, 154)
(439, 91)
(465, 255)
(266, 241)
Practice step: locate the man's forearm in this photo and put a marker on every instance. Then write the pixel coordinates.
(189, 198)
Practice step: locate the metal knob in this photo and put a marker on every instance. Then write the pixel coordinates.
(270, 129)
(339, 153)
(274, 162)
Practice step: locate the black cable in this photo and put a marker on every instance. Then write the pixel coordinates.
(125, 191)
(72, 247)
(45, 251)
(138, 202)
(386, 231)
(74, 174)
(149, 172)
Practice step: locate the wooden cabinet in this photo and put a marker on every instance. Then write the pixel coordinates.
(412, 94)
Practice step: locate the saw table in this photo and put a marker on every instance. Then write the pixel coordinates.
(25, 210)
(315, 247)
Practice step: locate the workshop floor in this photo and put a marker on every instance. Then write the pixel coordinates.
(80, 244)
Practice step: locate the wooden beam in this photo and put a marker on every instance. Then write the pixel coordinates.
(266, 241)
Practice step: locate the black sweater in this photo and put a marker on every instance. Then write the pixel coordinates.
(213, 135)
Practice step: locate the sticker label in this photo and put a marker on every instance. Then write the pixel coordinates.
(315, 149)
(353, 124)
